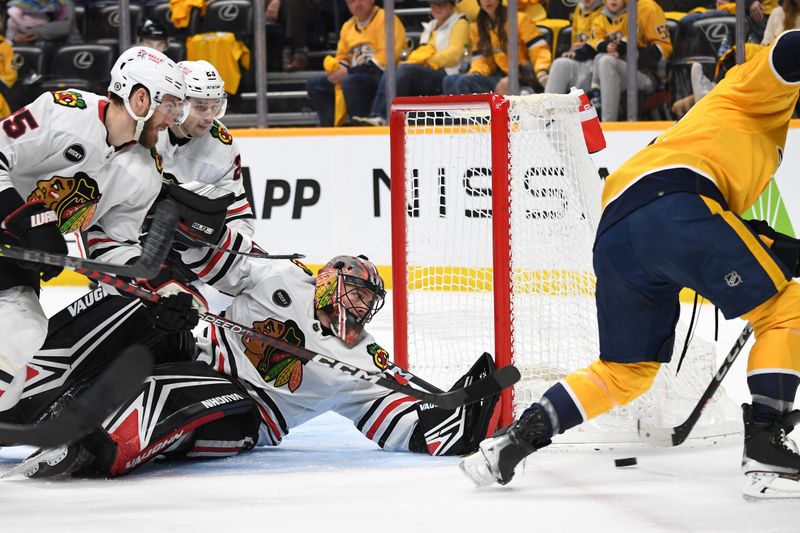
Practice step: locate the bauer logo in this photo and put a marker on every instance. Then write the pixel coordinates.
(74, 153)
(281, 298)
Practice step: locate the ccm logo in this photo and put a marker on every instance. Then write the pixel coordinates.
(40, 219)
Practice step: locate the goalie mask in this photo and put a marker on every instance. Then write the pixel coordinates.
(349, 291)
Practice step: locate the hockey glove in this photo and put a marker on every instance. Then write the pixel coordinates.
(785, 248)
(35, 226)
(175, 313)
(203, 209)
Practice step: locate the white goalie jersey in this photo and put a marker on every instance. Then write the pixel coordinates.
(276, 297)
(55, 150)
(213, 158)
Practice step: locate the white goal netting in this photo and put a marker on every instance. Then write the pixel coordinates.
(554, 194)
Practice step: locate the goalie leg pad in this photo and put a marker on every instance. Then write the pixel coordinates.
(179, 405)
(456, 432)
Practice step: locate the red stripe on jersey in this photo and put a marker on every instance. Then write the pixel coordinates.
(92, 242)
(238, 209)
(216, 344)
(392, 406)
(271, 423)
(216, 258)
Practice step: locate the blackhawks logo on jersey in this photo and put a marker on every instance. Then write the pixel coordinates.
(218, 131)
(73, 199)
(273, 364)
(157, 158)
(69, 99)
(379, 356)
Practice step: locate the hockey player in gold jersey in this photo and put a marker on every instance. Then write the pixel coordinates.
(672, 219)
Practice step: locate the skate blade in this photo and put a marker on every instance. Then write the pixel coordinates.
(475, 468)
(766, 487)
(30, 466)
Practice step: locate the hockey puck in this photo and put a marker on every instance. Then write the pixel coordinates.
(628, 461)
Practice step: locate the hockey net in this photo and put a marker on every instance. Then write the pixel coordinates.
(511, 273)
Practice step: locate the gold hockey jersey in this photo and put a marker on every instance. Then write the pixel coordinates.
(652, 27)
(734, 136)
(222, 50)
(532, 45)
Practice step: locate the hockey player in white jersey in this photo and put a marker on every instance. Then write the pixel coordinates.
(201, 148)
(75, 161)
(238, 392)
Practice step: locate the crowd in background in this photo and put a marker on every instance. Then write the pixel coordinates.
(337, 48)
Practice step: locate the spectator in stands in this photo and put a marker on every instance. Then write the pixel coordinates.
(533, 8)
(757, 13)
(296, 15)
(610, 31)
(489, 38)
(442, 45)
(41, 20)
(152, 35)
(352, 76)
(574, 67)
(784, 17)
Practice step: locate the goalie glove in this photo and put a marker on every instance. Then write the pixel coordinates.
(785, 248)
(32, 225)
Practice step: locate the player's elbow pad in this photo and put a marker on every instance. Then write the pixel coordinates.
(786, 56)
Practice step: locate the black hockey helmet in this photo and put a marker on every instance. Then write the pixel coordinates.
(149, 29)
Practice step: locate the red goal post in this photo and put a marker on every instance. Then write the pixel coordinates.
(511, 273)
(500, 160)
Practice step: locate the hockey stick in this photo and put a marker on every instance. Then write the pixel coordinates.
(147, 265)
(117, 383)
(658, 436)
(257, 255)
(398, 381)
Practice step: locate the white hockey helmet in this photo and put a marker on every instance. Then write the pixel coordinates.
(160, 75)
(203, 82)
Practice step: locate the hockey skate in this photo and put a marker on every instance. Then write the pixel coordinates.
(60, 462)
(498, 456)
(770, 463)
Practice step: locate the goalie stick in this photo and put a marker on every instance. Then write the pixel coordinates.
(122, 378)
(674, 436)
(154, 249)
(397, 381)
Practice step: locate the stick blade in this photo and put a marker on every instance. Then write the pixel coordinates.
(497, 382)
(658, 436)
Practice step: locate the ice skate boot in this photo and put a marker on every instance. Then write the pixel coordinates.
(60, 462)
(770, 463)
(498, 455)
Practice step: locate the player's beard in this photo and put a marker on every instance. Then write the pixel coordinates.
(149, 135)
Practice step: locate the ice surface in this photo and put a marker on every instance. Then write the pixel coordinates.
(327, 477)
